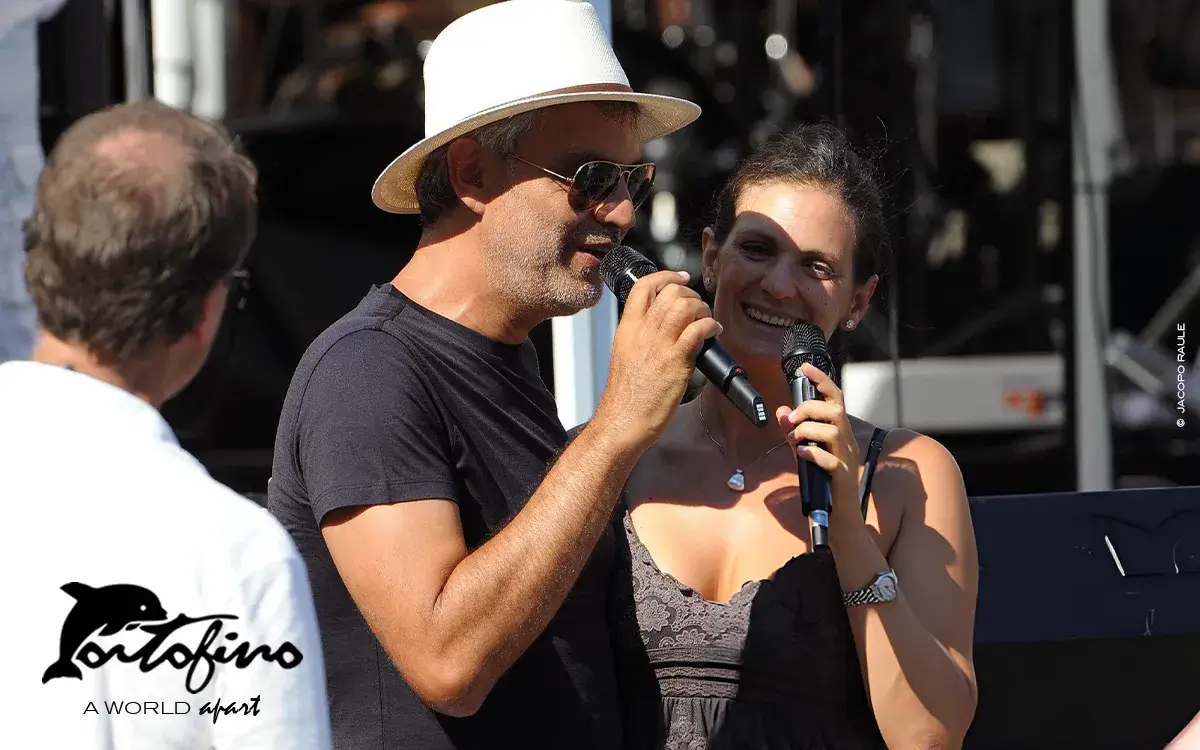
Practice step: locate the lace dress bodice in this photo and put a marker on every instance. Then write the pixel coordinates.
(775, 668)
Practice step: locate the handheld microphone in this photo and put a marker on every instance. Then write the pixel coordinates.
(621, 267)
(804, 342)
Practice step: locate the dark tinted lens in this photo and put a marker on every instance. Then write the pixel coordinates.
(640, 181)
(593, 182)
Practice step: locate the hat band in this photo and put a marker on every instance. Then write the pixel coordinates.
(587, 88)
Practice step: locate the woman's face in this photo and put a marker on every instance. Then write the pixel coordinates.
(788, 259)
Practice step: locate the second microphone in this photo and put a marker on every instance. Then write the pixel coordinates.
(622, 266)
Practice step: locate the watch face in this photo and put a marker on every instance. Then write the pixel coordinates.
(886, 587)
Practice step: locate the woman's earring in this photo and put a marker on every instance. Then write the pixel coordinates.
(708, 282)
(850, 324)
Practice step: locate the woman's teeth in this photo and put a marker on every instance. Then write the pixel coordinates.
(770, 320)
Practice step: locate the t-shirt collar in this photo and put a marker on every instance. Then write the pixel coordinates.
(88, 400)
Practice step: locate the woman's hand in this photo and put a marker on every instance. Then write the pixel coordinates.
(825, 423)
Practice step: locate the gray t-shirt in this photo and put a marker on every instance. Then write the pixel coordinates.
(395, 403)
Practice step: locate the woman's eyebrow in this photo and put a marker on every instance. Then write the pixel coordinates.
(753, 233)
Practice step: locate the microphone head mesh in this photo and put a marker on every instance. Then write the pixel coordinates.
(621, 267)
(805, 342)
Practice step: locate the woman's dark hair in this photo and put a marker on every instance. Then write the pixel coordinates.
(816, 155)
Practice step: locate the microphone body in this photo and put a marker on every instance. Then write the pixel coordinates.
(804, 342)
(622, 266)
(729, 377)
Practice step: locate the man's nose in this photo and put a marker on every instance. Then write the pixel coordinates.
(617, 209)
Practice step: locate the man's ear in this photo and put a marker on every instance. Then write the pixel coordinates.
(475, 174)
(211, 314)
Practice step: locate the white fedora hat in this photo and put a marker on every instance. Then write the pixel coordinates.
(513, 57)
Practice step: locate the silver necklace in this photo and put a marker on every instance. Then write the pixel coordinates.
(737, 480)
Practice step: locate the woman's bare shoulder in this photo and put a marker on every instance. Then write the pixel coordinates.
(912, 465)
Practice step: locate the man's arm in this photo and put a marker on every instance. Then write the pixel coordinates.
(454, 621)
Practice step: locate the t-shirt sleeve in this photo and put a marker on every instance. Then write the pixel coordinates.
(369, 432)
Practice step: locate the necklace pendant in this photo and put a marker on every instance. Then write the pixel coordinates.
(737, 481)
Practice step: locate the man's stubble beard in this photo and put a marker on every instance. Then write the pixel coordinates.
(536, 277)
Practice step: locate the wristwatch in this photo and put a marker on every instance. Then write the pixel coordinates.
(881, 590)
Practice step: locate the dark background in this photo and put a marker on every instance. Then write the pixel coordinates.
(1004, 73)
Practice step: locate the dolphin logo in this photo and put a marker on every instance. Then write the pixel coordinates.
(108, 609)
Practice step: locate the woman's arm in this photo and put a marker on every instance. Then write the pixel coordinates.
(916, 650)
(1189, 738)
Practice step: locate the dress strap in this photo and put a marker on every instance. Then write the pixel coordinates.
(869, 464)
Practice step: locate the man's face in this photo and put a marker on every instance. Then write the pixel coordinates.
(538, 251)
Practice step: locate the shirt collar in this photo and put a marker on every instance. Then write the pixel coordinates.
(87, 400)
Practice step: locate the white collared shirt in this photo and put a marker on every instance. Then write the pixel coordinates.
(95, 492)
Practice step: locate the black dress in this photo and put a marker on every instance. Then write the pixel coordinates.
(775, 668)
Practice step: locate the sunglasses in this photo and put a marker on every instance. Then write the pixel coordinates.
(238, 282)
(595, 181)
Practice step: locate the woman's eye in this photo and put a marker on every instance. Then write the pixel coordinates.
(823, 271)
(756, 248)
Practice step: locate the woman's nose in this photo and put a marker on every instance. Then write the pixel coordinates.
(778, 281)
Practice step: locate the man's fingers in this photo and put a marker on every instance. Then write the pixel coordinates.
(678, 313)
(694, 335)
(646, 289)
(665, 310)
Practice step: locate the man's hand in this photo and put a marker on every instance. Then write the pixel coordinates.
(654, 353)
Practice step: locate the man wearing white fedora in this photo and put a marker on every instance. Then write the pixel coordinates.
(458, 546)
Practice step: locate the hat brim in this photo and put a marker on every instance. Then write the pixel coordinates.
(395, 189)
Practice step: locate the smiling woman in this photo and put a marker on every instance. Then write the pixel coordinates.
(732, 630)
